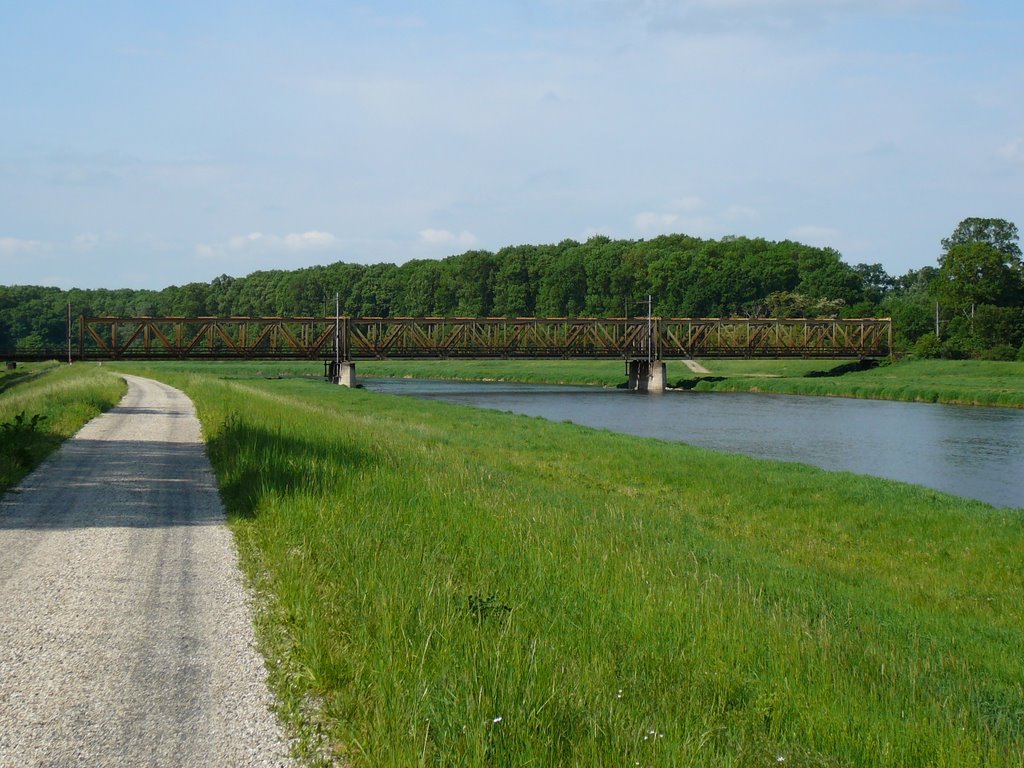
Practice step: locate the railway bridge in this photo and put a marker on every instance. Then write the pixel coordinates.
(643, 343)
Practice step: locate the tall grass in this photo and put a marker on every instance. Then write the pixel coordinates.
(41, 405)
(448, 586)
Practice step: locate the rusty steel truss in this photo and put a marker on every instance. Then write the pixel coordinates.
(379, 338)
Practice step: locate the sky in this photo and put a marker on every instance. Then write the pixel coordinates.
(148, 144)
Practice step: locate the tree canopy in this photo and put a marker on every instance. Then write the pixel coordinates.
(998, 233)
(979, 266)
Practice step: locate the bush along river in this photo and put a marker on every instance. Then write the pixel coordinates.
(967, 451)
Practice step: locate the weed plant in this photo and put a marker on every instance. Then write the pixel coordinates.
(42, 405)
(450, 586)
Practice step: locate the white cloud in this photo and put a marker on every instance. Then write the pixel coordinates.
(812, 234)
(266, 246)
(1012, 151)
(739, 213)
(692, 215)
(85, 242)
(652, 221)
(765, 18)
(690, 204)
(241, 242)
(10, 246)
(443, 237)
(311, 239)
(258, 242)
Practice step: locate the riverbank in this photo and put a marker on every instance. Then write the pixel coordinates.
(447, 585)
(957, 382)
(963, 382)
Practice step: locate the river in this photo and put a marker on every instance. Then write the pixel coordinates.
(966, 451)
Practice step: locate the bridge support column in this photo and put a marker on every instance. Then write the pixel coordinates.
(646, 376)
(347, 375)
(340, 373)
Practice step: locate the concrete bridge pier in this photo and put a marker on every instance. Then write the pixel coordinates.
(347, 375)
(646, 375)
(341, 373)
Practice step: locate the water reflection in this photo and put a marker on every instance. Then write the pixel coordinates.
(974, 452)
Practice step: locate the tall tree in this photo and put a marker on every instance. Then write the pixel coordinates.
(978, 273)
(999, 233)
(981, 264)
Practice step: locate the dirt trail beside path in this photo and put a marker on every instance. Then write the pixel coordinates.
(125, 636)
(696, 367)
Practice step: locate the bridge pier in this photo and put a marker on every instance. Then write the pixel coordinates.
(646, 375)
(347, 375)
(341, 373)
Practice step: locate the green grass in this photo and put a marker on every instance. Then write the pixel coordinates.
(429, 568)
(605, 373)
(968, 382)
(767, 368)
(42, 404)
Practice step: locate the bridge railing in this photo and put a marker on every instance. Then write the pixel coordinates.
(375, 338)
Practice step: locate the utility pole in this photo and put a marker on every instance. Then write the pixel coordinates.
(337, 333)
(69, 333)
(650, 309)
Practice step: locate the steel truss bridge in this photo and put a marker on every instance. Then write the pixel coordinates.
(351, 339)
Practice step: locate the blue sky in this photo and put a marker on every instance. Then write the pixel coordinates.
(151, 144)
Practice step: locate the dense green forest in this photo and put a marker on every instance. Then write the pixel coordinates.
(974, 297)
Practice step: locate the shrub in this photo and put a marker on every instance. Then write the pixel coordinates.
(927, 346)
(1005, 352)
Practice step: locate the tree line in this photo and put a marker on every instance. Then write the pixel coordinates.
(977, 287)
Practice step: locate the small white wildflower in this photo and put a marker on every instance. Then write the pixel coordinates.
(618, 694)
(497, 719)
(780, 759)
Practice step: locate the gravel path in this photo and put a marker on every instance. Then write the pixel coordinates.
(125, 635)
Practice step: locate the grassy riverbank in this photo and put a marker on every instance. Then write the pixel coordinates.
(43, 404)
(604, 373)
(971, 382)
(968, 382)
(450, 586)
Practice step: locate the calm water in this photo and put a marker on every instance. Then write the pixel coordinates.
(975, 452)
